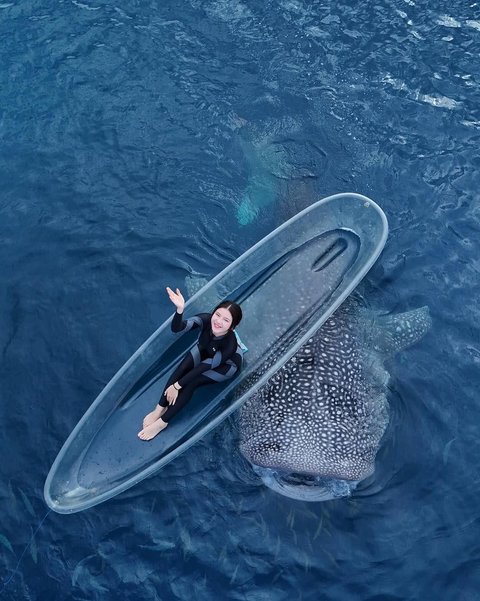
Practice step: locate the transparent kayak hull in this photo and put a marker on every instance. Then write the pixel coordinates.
(288, 284)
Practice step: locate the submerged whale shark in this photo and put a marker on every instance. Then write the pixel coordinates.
(312, 432)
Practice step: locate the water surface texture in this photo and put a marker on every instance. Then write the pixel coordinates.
(150, 142)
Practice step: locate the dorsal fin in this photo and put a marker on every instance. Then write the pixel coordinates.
(392, 333)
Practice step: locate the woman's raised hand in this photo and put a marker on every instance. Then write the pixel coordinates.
(176, 298)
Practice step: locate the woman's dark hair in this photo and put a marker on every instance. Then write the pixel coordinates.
(234, 309)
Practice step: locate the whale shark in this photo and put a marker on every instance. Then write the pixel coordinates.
(279, 164)
(313, 430)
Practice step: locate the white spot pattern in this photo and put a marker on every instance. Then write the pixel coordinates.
(325, 411)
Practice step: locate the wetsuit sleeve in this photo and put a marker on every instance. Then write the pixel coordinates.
(181, 325)
(222, 366)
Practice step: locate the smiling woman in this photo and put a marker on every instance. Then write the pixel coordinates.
(216, 357)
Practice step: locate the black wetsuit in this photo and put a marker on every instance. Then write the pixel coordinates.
(212, 359)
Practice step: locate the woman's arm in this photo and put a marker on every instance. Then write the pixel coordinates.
(184, 325)
(223, 366)
(178, 323)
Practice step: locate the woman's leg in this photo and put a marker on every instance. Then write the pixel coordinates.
(183, 398)
(185, 365)
(184, 395)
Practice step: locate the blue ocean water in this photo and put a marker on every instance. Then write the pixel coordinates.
(153, 141)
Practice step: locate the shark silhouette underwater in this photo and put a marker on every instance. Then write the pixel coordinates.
(313, 431)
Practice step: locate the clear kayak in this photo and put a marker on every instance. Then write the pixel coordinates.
(288, 284)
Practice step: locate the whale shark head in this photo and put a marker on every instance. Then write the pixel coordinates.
(314, 429)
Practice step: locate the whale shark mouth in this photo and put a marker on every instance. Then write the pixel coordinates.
(305, 487)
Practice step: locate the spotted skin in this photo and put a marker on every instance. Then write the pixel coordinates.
(325, 411)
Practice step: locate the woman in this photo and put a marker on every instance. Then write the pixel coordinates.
(216, 357)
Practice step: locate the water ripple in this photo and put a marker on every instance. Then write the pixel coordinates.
(144, 144)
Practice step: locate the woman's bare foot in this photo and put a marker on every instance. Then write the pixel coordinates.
(153, 415)
(152, 430)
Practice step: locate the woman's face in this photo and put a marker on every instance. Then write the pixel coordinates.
(221, 321)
